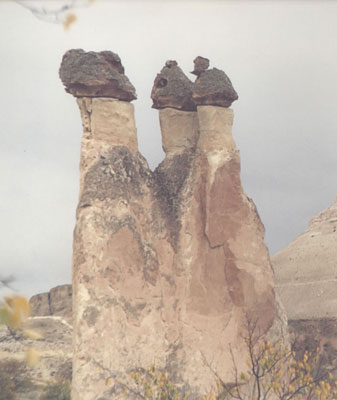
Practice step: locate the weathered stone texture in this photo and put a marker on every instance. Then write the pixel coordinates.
(92, 74)
(213, 87)
(306, 270)
(169, 264)
(305, 274)
(180, 130)
(200, 65)
(172, 88)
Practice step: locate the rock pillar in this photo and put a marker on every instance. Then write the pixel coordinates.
(167, 265)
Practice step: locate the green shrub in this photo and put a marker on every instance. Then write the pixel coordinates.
(56, 391)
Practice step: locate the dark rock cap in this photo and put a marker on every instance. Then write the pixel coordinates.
(172, 88)
(200, 65)
(213, 87)
(92, 74)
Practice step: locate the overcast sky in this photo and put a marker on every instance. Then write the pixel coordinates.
(281, 57)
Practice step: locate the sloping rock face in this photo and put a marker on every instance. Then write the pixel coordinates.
(167, 265)
(306, 281)
(58, 302)
(306, 270)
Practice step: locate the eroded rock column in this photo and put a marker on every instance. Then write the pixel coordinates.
(167, 265)
(119, 242)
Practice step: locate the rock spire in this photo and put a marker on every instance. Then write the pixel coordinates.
(167, 265)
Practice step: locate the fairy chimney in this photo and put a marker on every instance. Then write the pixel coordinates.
(167, 265)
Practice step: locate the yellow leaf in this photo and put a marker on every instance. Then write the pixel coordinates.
(69, 20)
(32, 334)
(32, 357)
(18, 308)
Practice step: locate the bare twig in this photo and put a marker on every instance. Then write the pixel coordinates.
(53, 15)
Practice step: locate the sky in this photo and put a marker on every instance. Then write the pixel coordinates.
(281, 57)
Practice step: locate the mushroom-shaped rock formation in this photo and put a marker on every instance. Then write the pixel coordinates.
(172, 88)
(212, 87)
(92, 74)
(200, 65)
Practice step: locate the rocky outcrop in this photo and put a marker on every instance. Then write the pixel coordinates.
(57, 302)
(306, 270)
(306, 280)
(167, 265)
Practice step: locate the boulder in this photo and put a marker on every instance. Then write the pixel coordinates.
(95, 74)
(172, 88)
(213, 87)
(200, 65)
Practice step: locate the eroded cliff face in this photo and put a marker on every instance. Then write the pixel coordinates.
(306, 270)
(167, 265)
(305, 277)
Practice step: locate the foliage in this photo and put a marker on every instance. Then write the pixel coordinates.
(274, 372)
(151, 384)
(14, 310)
(56, 391)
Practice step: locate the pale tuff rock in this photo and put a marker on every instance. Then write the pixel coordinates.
(172, 88)
(179, 130)
(306, 270)
(91, 74)
(167, 265)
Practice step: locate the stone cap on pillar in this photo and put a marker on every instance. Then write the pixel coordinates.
(95, 74)
(214, 88)
(172, 89)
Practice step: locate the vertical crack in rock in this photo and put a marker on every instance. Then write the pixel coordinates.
(170, 177)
